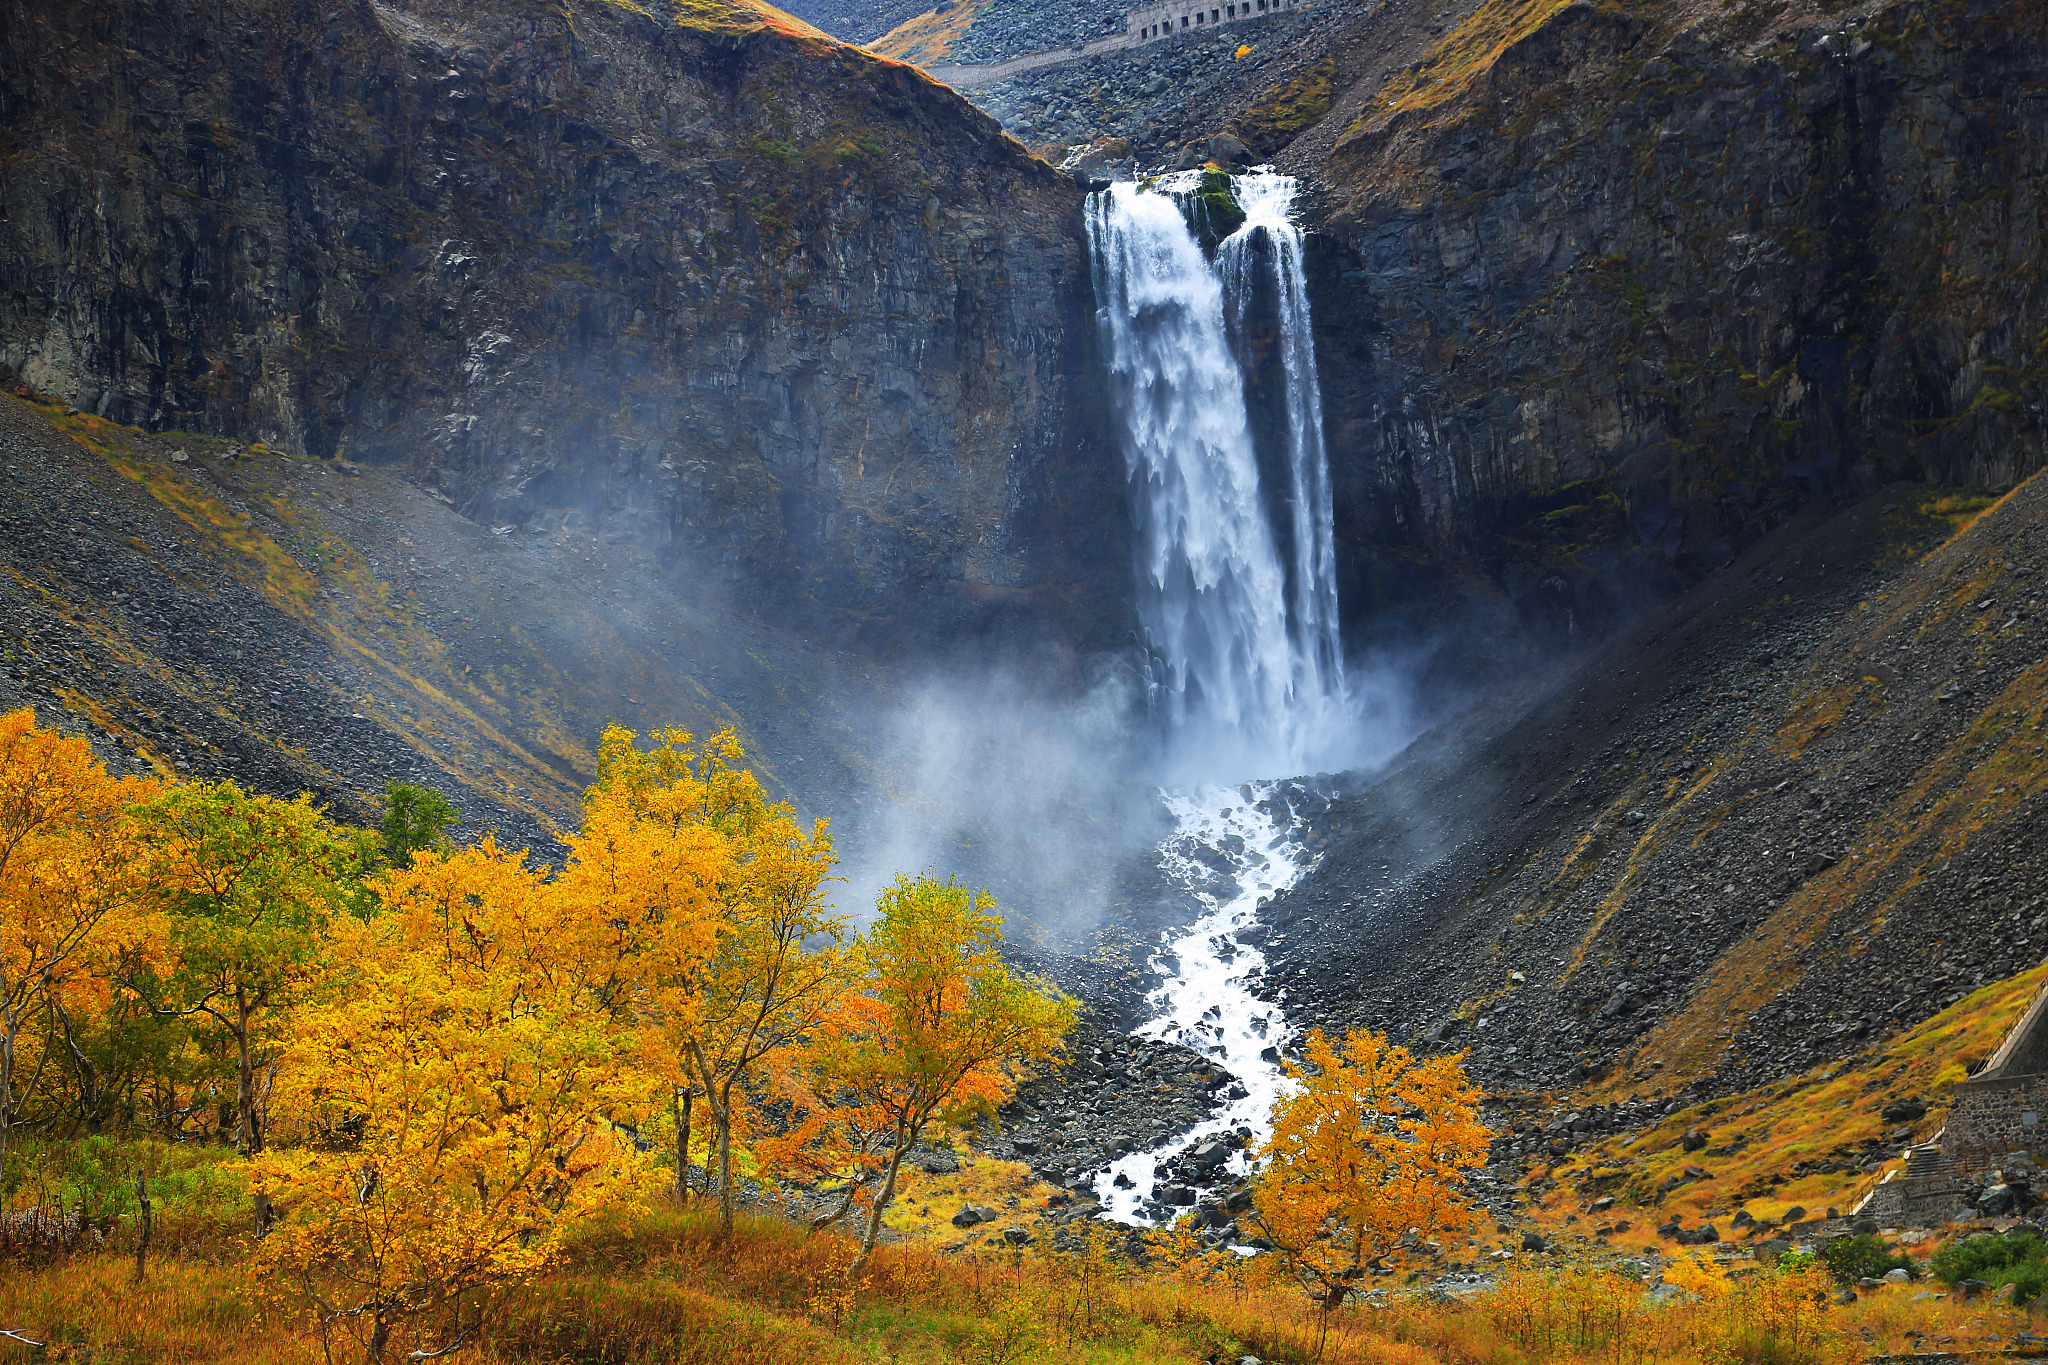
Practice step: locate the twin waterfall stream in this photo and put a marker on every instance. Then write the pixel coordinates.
(1237, 595)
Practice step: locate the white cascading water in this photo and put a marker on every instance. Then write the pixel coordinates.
(1247, 670)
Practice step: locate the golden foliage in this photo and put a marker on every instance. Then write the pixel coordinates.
(467, 1051)
(1367, 1157)
(70, 885)
(934, 1024)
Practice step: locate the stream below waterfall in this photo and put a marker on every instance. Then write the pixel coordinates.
(1236, 588)
(1230, 851)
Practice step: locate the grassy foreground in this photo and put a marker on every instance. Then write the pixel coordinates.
(662, 1287)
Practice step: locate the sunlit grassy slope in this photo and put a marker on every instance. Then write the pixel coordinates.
(1765, 1146)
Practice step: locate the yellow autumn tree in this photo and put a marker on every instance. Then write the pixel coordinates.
(936, 1026)
(743, 962)
(1366, 1161)
(465, 1069)
(70, 881)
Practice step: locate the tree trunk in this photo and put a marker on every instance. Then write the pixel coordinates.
(144, 1225)
(247, 1135)
(853, 1189)
(684, 1099)
(7, 1085)
(7, 1032)
(873, 1232)
(722, 1111)
(380, 1333)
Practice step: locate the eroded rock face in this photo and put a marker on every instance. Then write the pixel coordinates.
(707, 280)
(1596, 320)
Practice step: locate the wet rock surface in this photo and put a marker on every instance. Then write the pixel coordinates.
(1659, 282)
(1118, 1094)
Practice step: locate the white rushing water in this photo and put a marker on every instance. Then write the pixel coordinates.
(1237, 595)
(1207, 1002)
(1245, 664)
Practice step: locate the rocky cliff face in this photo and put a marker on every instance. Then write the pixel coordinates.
(1608, 291)
(694, 277)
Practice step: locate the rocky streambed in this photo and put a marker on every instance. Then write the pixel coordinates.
(1147, 1125)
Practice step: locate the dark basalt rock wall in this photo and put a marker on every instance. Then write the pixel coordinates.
(700, 278)
(1601, 314)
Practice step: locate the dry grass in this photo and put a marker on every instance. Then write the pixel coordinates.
(1810, 1118)
(663, 1287)
(1466, 53)
(929, 37)
(925, 1204)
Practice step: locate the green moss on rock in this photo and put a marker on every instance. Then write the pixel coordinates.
(1212, 209)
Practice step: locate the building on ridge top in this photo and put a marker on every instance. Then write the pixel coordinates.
(1169, 18)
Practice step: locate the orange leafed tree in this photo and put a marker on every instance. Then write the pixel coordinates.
(1366, 1160)
(936, 1024)
(70, 883)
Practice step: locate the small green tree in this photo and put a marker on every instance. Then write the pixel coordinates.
(415, 819)
(1864, 1256)
(2017, 1259)
(249, 883)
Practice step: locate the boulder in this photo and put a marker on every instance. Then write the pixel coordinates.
(1226, 149)
(1898, 1276)
(1693, 1140)
(941, 1161)
(1098, 163)
(969, 1216)
(1902, 1111)
(1534, 1241)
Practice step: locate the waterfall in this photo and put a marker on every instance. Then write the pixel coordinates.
(1245, 666)
(1237, 594)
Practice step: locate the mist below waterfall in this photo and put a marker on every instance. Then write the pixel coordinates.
(1058, 798)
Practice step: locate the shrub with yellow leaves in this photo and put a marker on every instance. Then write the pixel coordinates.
(1366, 1160)
(464, 1067)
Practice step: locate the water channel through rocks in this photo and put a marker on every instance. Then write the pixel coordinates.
(1232, 848)
(1195, 275)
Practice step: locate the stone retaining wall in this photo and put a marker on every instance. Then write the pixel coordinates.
(1991, 1117)
(1147, 24)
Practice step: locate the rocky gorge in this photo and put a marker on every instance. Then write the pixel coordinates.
(410, 388)
(800, 320)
